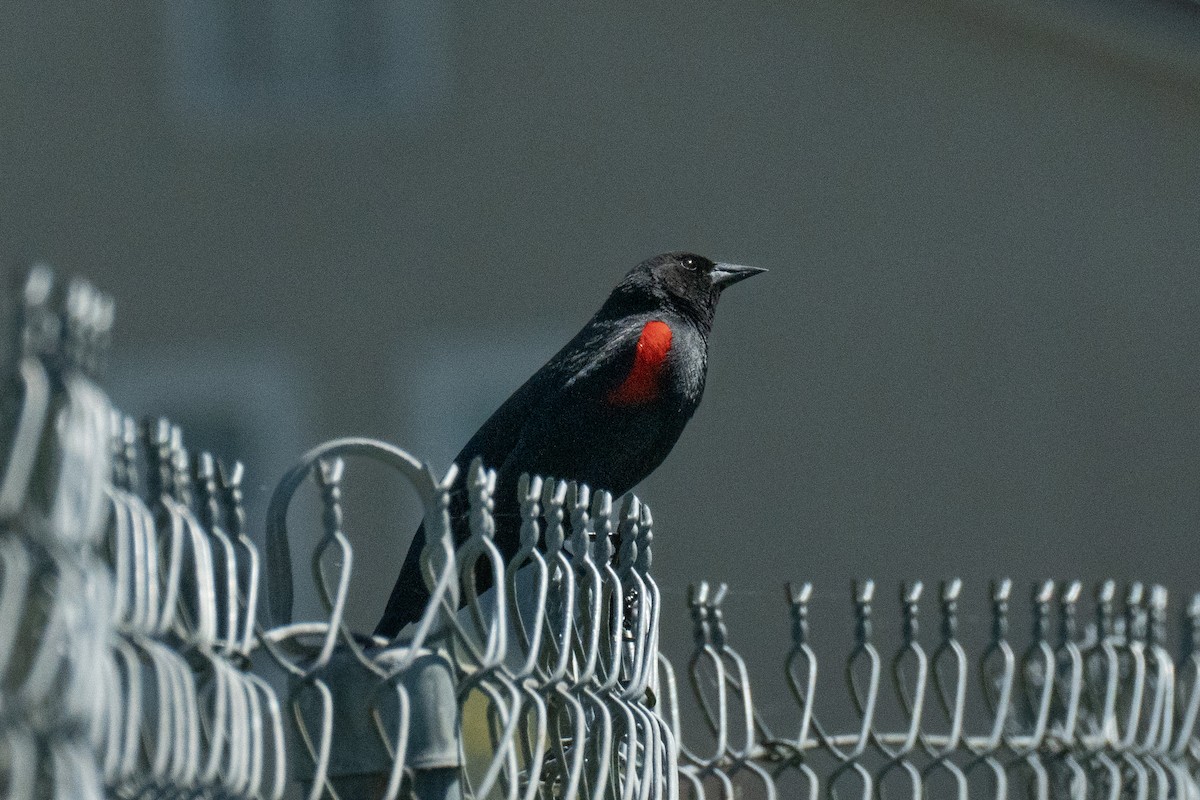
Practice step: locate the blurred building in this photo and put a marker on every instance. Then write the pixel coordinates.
(976, 352)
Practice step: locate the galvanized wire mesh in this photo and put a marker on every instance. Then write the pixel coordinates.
(135, 663)
(126, 608)
(1100, 710)
(561, 653)
(135, 660)
(55, 592)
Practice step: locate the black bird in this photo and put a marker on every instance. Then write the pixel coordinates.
(605, 410)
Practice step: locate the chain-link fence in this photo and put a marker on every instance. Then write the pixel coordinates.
(136, 659)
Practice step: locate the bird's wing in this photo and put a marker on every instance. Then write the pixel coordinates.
(575, 430)
(591, 364)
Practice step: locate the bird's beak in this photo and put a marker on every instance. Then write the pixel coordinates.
(728, 274)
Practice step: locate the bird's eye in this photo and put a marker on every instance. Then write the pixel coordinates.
(689, 263)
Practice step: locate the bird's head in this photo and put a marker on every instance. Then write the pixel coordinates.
(688, 282)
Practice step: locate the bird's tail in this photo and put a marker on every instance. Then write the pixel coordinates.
(409, 596)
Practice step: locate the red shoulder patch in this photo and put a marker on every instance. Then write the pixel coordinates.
(642, 383)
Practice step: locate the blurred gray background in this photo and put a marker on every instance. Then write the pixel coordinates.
(975, 353)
